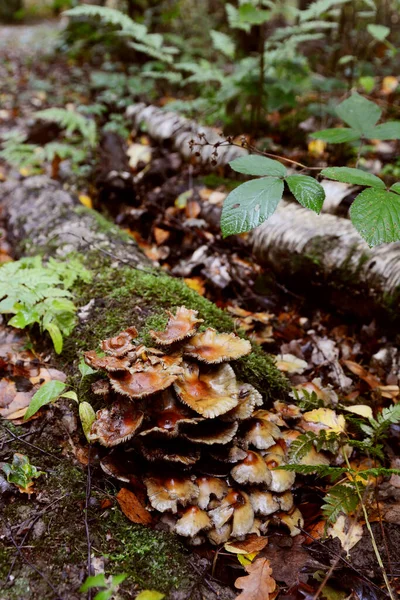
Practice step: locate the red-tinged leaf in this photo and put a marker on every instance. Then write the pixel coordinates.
(132, 507)
(258, 583)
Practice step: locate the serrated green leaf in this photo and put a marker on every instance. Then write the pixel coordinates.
(258, 165)
(56, 336)
(396, 187)
(250, 204)
(376, 216)
(223, 43)
(379, 32)
(359, 113)
(87, 417)
(23, 318)
(354, 176)
(307, 191)
(385, 131)
(336, 135)
(47, 393)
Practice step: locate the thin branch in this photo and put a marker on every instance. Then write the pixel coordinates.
(89, 545)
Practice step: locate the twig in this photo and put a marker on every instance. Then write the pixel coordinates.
(42, 512)
(89, 546)
(17, 437)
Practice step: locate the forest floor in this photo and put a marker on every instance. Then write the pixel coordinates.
(72, 518)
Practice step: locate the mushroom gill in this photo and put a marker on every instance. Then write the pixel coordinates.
(182, 324)
(212, 347)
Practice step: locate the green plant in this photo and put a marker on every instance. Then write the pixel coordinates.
(71, 121)
(21, 473)
(39, 293)
(109, 586)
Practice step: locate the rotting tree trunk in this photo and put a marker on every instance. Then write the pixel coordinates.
(304, 249)
(44, 219)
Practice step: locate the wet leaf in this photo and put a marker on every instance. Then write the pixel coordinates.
(258, 583)
(150, 595)
(21, 473)
(87, 417)
(327, 417)
(253, 543)
(49, 392)
(347, 530)
(132, 507)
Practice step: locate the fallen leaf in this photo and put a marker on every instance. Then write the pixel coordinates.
(258, 583)
(132, 508)
(196, 284)
(389, 85)
(150, 595)
(347, 530)
(316, 147)
(288, 363)
(85, 200)
(246, 559)
(160, 235)
(253, 543)
(360, 409)
(325, 418)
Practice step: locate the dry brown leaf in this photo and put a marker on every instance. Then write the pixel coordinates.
(253, 543)
(132, 508)
(258, 583)
(160, 235)
(387, 391)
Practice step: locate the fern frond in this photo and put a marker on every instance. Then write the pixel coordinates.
(110, 16)
(301, 446)
(320, 470)
(70, 121)
(342, 498)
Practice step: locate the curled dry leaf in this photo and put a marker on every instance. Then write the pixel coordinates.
(347, 530)
(252, 543)
(258, 584)
(132, 507)
(180, 326)
(212, 347)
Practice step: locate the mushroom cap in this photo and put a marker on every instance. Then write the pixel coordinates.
(228, 454)
(293, 520)
(206, 432)
(252, 470)
(101, 387)
(262, 434)
(166, 414)
(222, 513)
(180, 326)
(169, 451)
(285, 500)
(249, 398)
(209, 394)
(220, 535)
(137, 384)
(263, 502)
(121, 343)
(272, 417)
(211, 347)
(193, 520)
(166, 493)
(287, 411)
(116, 424)
(109, 363)
(243, 516)
(281, 480)
(210, 486)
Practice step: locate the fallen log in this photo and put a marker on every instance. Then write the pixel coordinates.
(305, 250)
(42, 218)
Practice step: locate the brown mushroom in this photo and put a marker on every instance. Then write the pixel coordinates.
(138, 384)
(285, 501)
(261, 433)
(281, 480)
(264, 503)
(169, 451)
(109, 363)
(293, 520)
(101, 387)
(209, 394)
(252, 470)
(206, 432)
(166, 414)
(121, 343)
(249, 398)
(236, 504)
(210, 486)
(212, 347)
(116, 424)
(166, 493)
(220, 535)
(180, 326)
(193, 520)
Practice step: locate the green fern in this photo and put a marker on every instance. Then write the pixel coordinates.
(327, 441)
(307, 400)
(71, 121)
(334, 473)
(37, 293)
(342, 498)
(109, 16)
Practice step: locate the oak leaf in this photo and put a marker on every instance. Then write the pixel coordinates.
(258, 583)
(132, 507)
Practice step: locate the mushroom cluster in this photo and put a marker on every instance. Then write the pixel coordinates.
(199, 439)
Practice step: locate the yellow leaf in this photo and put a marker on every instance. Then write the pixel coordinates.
(85, 200)
(246, 559)
(196, 284)
(361, 409)
(150, 595)
(389, 84)
(290, 363)
(347, 530)
(328, 418)
(316, 147)
(24, 171)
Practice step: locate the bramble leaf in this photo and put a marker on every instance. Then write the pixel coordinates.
(258, 165)
(307, 191)
(336, 135)
(359, 113)
(376, 216)
(354, 176)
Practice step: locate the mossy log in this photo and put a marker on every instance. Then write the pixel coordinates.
(44, 219)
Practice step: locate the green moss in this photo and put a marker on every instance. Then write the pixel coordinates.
(104, 225)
